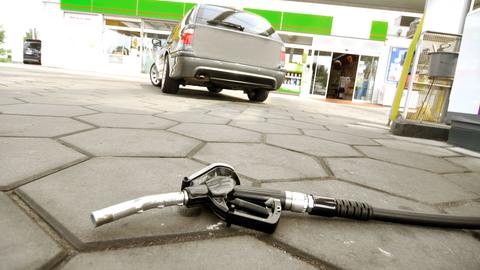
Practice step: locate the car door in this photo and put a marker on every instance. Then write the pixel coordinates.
(166, 49)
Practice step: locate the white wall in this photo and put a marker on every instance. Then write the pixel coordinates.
(71, 40)
(445, 16)
(465, 96)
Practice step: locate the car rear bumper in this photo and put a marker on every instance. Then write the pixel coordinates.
(232, 75)
(31, 58)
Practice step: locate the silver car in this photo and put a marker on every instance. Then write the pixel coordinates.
(221, 48)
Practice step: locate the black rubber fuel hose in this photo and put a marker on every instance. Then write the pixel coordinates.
(406, 217)
(362, 211)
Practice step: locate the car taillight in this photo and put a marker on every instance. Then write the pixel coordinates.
(187, 38)
(282, 55)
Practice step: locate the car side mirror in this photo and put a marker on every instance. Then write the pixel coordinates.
(157, 42)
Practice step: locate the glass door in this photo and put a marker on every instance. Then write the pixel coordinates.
(321, 72)
(366, 71)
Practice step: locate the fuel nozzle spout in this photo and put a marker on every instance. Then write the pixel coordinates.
(136, 206)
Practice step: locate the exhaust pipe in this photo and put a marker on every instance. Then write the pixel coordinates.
(203, 77)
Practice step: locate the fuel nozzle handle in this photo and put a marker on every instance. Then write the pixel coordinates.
(312, 204)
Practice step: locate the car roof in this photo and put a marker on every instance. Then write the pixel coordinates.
(211, 5)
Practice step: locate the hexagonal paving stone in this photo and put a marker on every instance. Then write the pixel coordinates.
(228, 114)
(67, 198)
(295, 124)
(403, 181)
(127, 108)
(38, 126)
(411, 159)
(127, 121)
(471, 209)
(313, 146)
(240, 252)
(23, 244)
(420, 141)
(419, 148)
(265, 127)
(9, 100)
(466, 152)
(217, 133)
(24, 159)
(377, 245)
(249, 118)
(469, 181)
(341, 190)
(339, 137)
(79, 100)
(358, 130)
(317, 121)
(471, 163)
(132, 142)
(262, 162)
(266, 114)
(44, 109)
(378, 126)
(194, 117)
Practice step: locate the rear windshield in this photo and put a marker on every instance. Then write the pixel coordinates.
(251, 23)
(33, 45)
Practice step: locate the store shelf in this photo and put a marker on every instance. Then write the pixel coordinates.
(436, 85)
(293, 77)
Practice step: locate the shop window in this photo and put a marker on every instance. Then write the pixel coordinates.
(120, 43)
(159, 25)
(476, 4)
(121, 23)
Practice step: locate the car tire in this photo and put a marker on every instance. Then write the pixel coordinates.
(169, 85)
(154, 76)
(258, 95)
(214, 89)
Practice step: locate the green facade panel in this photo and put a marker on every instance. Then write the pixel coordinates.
(188, 7)
(379, 30)
(123, 7)
(161, 9)
(274, 17)
(79, 5)
(306, 23)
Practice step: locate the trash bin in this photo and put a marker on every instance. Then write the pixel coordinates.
(442, 64)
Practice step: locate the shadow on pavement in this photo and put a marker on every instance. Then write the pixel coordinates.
(198, 94)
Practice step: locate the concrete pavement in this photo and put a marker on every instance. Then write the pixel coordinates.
(71, 143)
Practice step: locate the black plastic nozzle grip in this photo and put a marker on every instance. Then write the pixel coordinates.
(255, 194)
(329, 207)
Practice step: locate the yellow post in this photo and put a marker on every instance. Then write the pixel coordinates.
(406, 69)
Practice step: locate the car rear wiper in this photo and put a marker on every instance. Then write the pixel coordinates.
(227, 24)
(267, 32)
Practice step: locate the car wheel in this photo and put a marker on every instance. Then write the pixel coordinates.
(169, 85)
(154, 78)
(214, 89)
(257, 95)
